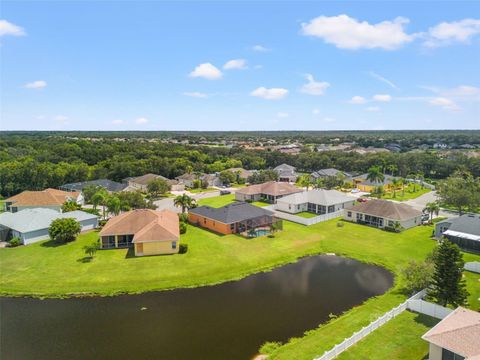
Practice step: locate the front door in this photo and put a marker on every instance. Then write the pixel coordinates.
(140, 249)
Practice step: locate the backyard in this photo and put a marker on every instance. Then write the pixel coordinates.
(411, 192)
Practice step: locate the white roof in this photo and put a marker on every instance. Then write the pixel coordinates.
(462, 235)
(321, 197)
(29, 220)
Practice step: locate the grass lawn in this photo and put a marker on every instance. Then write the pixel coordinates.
(217, 201)
(473, 287)
(198, 191)
(409, 193)
(2, 202)
(399, 339)
(306, 214)
(260, 203)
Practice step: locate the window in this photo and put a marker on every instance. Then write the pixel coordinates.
(391, 223)
(349, 214)
(232, 227)
(448, 355)
(174, 244)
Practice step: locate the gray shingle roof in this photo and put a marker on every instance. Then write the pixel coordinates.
(105, 183)
(386, 209)
(328, 172)
(231, 213)
(468, 224)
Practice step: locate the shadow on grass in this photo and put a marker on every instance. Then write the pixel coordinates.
(130, 253)
(85, 259)
(426, 320)
(52, 243)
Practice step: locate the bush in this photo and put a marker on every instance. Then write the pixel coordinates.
(183, 217)
(183, 248)
(14, 242)
(91, 211)
(101, 223)
(183, 227)
(340, 224)
(64, 230)
(269, 347)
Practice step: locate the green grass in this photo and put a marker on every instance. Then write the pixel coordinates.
(260, 203)
(408, 195)
(306, 214)
(217, 201)
(473, 287)
(399, 339)
(198, 191)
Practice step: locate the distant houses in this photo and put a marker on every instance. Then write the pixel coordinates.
(141, 182)
(31, 225)
(456, 337)
(326, 173)
(148, 232)
(49, 199)
(189, 179)
(268, 192)
(234, 218)
(384, 214)
(463, 231)
(109, 185)
(286, 173)
(315, 201)
(362, 183)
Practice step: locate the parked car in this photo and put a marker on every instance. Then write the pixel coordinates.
(362, 200)
(224, 192)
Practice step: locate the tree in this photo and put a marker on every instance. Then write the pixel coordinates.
(99, 197)
(417, 275)
(319, 184)
(375, 174)
(91, 249)
(90, 190)
(157, 187)
(432, 208)
(113, 205)
(274, 227)
(448, 286)
(70, 206)
(305, 181)
(184, 201)
(392, 168)
(64, 230)
(262, 176)
(403, 181)
(227, 177)
(460, 191)
(396, 183)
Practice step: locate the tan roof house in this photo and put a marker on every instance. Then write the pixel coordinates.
(241, 173)
(141, 182)
(149, 232)
(456, 337)
(269, 191)
(48, 198)
(384, 214)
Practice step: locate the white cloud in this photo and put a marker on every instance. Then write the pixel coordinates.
(207, 71)
(270, 94)
(60, 118)
(357, 100)
(7, 28)
(235, 64)
(117, 122)
(39, 84)
(348, 33)
(382, 79)
(444, 103)
(329, 119)
(141, 121)
(314, 87)
(281, 114)
(196, 94)
(454, 32)
(260, 48)
(373, 109)
(382, 98)
(316, 111)
(465, 90)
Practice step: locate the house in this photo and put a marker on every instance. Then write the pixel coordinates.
(48, 198)
(463, 231)
(384, 214)
(109, 185)
(241, 173)
(269, 191)
(393, 147)
(330, 172)
(187, 179)
(286, 173)
(149, 232)
(234, 218)
(456, 337)
(315, 201)
(363, 184)
(141, 183)
(31, 225)
(209, 179)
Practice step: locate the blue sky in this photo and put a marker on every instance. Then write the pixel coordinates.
(239, 66)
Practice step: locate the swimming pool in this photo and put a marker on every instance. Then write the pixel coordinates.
(261, 232)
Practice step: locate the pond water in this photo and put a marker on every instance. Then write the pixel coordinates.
(227, 321)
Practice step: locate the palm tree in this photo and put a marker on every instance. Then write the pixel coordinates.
(375, 174)
(99, 198)
(184, 201)
(305, 181)
(432, 208)
(392, 168)
(319, 183)
(114, 205)
(402, 182)
(396, 182)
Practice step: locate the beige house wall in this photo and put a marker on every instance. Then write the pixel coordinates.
(156, 248)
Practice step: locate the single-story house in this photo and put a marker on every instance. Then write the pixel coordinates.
(109, 185)
(234, 218)
(188, 179)
(326, 173)
(456, 337)
(286, 173)
(315, 201)
(48, 198)
(211, 179)
(241, 173)
(383, 214)
(269, 191)
(149, 232)
(141, 182)
(363, 184)
(31, 225)
(463, 231)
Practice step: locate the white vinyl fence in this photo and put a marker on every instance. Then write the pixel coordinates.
(302, 220)
(473, 266)
(415, 303)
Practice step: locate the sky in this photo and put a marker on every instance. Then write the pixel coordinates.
(152, 65)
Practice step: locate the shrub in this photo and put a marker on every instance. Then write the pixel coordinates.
(64, 230)
(183, 217)
(183, 227)
(269, 347)
(101, 223)
(183, 248)
(340, 224)
(14, 242)
(91, 211)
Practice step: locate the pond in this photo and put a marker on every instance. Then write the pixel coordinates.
(227, 321)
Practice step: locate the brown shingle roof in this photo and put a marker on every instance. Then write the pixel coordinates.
(459, 332)
(146, 225)
(272, 188)
(47, 197)
(386, 209)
